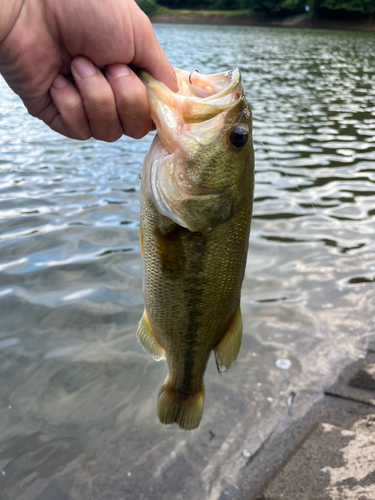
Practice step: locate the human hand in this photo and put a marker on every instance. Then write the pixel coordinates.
(45, 44)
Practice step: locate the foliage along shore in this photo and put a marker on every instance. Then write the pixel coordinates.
(246, 18)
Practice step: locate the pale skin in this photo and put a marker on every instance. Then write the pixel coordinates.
(72, 61)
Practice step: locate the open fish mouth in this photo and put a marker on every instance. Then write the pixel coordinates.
(209, 88)
(200, 99)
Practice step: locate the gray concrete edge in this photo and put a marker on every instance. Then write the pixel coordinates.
(339, 405)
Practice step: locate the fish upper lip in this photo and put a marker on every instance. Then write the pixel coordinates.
(234, 75)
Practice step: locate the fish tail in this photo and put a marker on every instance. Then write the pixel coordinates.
(177, 407)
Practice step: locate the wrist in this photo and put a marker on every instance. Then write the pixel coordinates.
(9, 11)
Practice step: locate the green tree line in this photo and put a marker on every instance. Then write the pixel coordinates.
(266, 7)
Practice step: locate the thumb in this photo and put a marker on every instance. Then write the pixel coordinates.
(148, 54)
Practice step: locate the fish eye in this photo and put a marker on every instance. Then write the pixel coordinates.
(239, 136)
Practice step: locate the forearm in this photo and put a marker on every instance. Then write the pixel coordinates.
(9, 11)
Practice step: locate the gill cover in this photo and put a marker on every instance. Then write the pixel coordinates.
(194, 168)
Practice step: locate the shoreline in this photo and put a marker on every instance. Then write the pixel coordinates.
(233, 19)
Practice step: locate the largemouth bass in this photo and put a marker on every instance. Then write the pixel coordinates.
(196, 203)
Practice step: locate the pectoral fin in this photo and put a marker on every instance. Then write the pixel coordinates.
(147, 338)
(171, 253)
(227, 349)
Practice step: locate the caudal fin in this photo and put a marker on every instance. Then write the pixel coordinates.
(177, 407)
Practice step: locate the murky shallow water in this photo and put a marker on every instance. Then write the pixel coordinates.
(78, 393)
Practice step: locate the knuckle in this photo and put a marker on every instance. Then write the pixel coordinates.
(83, 135)
(114, 137)
(110, 135)
(136, 126)
(72, 104)
(99, 103)
(48, 115)
(36, 114)
(138, 133)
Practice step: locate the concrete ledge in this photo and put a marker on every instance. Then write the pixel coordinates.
(325, 453)
(357, 382)
(330, 463)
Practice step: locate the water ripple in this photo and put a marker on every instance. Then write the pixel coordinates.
(76, 385)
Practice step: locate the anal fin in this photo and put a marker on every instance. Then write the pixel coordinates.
(146, 337)
(227, 349)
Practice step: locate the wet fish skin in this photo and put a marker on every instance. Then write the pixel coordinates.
(194, 260)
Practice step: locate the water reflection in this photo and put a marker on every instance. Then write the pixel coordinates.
(78, 393)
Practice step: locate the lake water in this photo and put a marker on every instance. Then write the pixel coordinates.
(78, 393)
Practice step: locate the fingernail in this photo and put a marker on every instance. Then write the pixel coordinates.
(118, 70)
(84, 67)
(59, 82)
